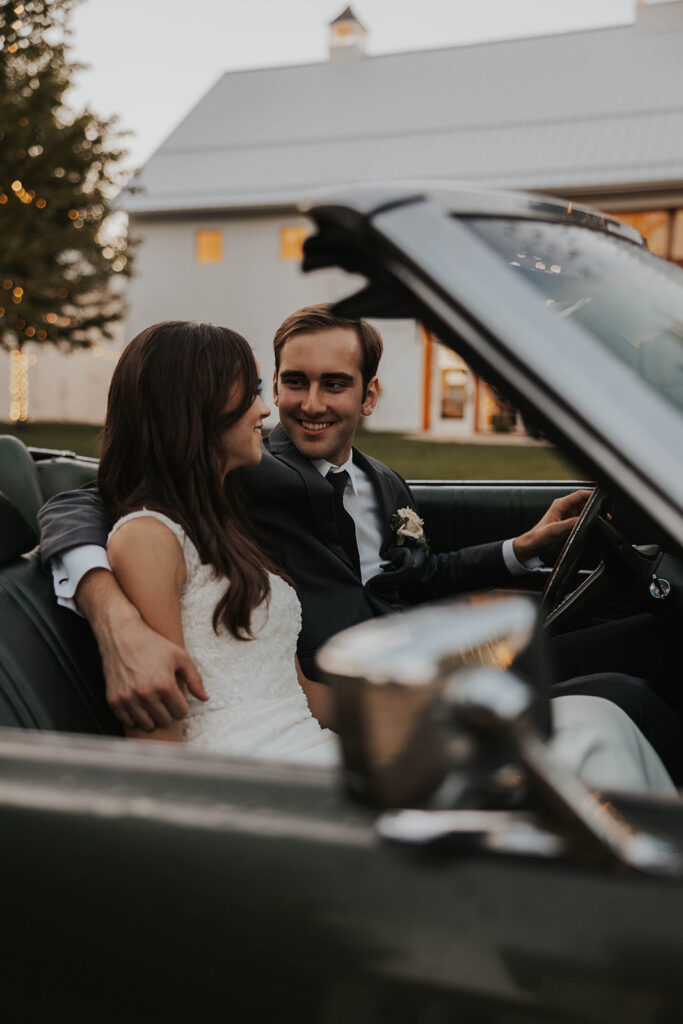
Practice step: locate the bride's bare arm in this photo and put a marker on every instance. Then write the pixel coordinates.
(148, 563)
(319, 698)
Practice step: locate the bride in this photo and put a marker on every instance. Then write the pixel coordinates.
(184, 412)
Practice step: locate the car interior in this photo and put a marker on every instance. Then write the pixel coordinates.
(50, 671)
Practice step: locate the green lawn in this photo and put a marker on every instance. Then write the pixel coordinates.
(81, 438)
(416, 460)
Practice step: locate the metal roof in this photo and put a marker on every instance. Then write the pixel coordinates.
(599, 109)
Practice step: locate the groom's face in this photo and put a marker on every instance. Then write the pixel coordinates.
(320, 395)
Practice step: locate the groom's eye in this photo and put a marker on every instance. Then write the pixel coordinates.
(338, 383)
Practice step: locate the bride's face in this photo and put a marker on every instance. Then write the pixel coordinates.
(241, 441)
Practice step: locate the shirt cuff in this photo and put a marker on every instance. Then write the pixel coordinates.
(69, 568)
(514, 565)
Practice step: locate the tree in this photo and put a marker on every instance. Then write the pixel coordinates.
(59, 173)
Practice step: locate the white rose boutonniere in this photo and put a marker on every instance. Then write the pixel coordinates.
(409, 529)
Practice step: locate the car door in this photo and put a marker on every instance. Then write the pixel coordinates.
(143, 885)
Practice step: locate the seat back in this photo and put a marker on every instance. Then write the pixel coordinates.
(50, 669)
(19, 479)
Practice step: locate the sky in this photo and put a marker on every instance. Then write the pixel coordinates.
(150, 61)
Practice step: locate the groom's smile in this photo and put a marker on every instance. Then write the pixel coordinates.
(319, 392)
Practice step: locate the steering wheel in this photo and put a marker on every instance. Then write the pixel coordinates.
(622, 568)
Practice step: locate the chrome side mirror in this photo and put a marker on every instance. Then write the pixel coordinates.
(429, 694)
(389, 676)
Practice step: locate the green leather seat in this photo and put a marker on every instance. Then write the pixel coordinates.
(50, 670)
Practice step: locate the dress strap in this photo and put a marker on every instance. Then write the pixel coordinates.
(149, 513)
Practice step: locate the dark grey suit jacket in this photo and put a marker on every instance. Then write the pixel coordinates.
(293, 507)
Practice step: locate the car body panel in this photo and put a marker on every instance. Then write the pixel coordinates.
(262, 889)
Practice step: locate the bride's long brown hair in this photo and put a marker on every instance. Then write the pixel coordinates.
(162, 449)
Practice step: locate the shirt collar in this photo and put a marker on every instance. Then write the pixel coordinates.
(323, 467)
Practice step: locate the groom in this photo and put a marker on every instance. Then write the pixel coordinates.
(324, 506)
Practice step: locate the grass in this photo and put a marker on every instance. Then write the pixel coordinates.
(82, 438)
(454, 460)
(415, 460)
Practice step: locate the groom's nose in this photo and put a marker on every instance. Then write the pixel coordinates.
(314, 400)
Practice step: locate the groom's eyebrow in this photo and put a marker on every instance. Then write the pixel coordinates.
(346, 378)
(299, 375)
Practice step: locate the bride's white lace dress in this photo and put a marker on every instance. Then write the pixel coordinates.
(256, 707)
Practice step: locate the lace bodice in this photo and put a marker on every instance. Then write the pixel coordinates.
(256, 706)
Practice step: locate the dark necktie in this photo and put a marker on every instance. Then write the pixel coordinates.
(345, 525)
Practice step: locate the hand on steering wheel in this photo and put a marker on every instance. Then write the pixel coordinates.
(622, 568)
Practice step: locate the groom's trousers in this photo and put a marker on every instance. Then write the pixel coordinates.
(636, 663)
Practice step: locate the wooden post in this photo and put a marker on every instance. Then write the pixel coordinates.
(427, 355)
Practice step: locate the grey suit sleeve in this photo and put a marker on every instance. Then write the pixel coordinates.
(70, 520)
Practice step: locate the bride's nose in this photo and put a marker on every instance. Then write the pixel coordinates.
(262, 408)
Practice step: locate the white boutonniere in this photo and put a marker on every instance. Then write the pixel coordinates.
(409, 529)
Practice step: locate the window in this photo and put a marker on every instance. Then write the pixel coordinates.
(677, 236)
(209, 247)
(453, 393)
(654, 226)
(292, 243)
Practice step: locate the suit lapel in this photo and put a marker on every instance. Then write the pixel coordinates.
(319, 492)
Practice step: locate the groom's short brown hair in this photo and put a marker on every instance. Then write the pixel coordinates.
(311, 319)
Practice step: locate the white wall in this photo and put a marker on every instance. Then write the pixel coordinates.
(252, 290)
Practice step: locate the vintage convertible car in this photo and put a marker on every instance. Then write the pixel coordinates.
(451, 870)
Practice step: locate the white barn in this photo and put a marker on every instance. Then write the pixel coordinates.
(594, 115)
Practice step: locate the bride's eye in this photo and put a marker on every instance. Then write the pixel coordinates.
(259, 387)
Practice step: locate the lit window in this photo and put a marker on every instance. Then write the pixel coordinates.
(654, 226)
(453, 394)
(677, 239)
(209, 247)
(292, 243)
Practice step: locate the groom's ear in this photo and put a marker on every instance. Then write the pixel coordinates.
(275, 394)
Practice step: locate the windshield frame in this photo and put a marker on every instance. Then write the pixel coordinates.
(424, 261)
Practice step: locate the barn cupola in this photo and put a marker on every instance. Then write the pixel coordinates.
(347, 37)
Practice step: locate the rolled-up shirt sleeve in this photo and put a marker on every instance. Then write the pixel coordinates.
(69, 568)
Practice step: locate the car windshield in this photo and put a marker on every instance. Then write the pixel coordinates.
(627, 299)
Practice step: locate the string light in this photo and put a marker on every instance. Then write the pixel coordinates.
(18, 386)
